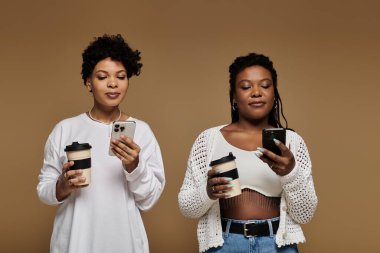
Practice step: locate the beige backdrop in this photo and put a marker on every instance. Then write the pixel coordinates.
(327, 54)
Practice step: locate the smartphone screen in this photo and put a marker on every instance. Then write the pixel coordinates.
(273, 133)
(119, 128)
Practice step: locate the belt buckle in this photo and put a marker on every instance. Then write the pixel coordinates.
(246, 229)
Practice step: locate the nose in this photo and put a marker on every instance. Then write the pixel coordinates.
(256, 91)
(112, 83)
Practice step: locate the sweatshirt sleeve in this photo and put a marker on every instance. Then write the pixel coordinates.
(147, 181)
(193, 199)
(51, 170)
(298, 185)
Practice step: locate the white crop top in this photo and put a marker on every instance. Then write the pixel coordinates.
(253, 172)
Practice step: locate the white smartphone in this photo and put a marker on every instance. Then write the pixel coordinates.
(119, 128)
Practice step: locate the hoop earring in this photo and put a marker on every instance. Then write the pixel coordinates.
(234, 106)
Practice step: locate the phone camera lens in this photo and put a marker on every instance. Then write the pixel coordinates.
(121, 129)
(117, 125)
(116, 130)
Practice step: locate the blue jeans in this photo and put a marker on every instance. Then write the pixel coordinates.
(238, 243)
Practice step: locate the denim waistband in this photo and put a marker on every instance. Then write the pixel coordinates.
(271, 230)
(255, 221)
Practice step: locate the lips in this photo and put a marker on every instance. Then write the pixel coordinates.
(256, 104)
(112, 95)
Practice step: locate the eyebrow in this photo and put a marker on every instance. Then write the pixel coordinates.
(246, 80)
(117, 72)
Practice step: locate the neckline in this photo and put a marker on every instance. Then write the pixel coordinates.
(105, 123)
(101, 124)
(229, 144)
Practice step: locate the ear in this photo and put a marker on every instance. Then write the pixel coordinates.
(88, 85)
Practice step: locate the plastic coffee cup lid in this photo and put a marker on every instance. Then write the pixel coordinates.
(76, 146)
(224, 159)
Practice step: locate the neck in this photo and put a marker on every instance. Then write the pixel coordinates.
(105, 116)
(252, 125)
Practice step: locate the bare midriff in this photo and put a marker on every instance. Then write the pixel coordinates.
(250, 205)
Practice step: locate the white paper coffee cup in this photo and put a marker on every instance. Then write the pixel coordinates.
(80, 153)
(226, 167)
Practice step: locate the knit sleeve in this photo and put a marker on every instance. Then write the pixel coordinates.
(193, 199)
(298, 185)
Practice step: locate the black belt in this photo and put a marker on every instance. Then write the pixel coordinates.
(251, 229)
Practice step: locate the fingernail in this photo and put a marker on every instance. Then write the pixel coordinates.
(260, 149)
(258, 154)
(228, 179)
(230, 185)
(276, 141)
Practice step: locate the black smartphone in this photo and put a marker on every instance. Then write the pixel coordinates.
(126, 128)
(273, 133)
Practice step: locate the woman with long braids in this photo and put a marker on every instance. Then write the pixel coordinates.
(105, 215)
(277, 190)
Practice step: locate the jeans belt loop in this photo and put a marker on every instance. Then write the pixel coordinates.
(228, 228)
(270, 228)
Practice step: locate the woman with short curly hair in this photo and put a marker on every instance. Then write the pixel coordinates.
(127, 174)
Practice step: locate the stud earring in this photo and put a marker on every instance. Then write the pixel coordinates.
(89, 87)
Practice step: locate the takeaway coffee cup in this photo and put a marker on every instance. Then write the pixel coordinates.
(226, 167)
(80, 153)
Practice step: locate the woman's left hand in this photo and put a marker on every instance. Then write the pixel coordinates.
(281, 165)
(127, 151)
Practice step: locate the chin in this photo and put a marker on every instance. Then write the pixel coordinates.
(114, 104)
(256, 117)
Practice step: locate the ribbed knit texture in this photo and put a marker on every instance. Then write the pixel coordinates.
(298, 199)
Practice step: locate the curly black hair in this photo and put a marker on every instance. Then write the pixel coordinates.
(116, 48)
(249, 60)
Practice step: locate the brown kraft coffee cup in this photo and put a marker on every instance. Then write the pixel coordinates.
(80, 153)
(226, 167)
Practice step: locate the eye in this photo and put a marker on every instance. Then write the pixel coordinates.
(245, 85)
(101, 77)
(121, 77)
(266, 85)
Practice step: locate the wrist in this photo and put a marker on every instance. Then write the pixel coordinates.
(209, 192)
(129, 167)
(60, 192)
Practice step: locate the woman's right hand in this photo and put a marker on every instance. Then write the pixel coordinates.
(217, 187)
(67, 181)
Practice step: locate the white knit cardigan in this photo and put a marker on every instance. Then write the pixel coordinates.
(298, 199)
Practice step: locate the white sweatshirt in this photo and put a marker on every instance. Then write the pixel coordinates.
(105, 216)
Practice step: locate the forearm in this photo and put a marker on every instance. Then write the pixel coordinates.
(194, 203)
(300, 195)
(46, 190)
(62, 192)
(193, 199)
(146, 183)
